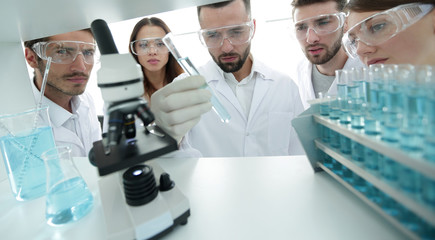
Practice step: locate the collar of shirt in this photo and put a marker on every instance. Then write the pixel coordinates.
(58, 115)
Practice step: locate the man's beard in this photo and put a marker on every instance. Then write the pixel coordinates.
(232, 67)
(53, 82)
(330, 53)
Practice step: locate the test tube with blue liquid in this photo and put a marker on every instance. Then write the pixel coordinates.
(375, 90)
(429, 122)
(392, 112)
(190, 69)
(357, 96)
(412, 130)
(341, 77)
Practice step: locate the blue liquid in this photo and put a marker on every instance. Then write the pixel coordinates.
(357, 153)
(413, 129)
(342, 91)
(26, 169)
(68, 201)
(334, 110)
(371, 125)
(390, 127)
(345, 146)
(373, 193)
(359, 183)
(366, 90)
(371, 162)
(324, 108)
(337, 167)
(409, 180)
(220, 110)
(355, 91)
(327, 160)
(335, 139)
(389, 205)
(389, 170)
(428, 190)
(429, 149)
(325, 133)
(347, 175)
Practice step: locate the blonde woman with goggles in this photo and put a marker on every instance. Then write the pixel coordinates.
(391, 32)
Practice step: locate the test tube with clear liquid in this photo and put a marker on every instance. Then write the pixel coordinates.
(190, 69)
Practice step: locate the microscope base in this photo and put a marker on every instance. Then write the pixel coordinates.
(149, 221)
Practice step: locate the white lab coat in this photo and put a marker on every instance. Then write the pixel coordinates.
(87, 118)
(266, 132)
(304, 82)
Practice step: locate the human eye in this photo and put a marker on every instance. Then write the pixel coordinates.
(377, 27)
(301, 27)
(142, 44)
(160, 44)
(212, 35)
(89, 52)
(323, 21)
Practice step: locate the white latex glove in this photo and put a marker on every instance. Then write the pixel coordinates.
(178, 106)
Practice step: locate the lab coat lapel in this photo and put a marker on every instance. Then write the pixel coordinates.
(224, 91)
(64, 136)
(261, 88)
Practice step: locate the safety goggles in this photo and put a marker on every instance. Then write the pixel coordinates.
(66, 52)
(236, 35)
(382, 26)
(145, 46)
(322, 25)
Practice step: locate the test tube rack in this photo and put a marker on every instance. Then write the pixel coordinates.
(308, 126)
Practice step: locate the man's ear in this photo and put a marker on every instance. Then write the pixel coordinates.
(31, 57)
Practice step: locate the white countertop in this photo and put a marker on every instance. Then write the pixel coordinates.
(230, 198)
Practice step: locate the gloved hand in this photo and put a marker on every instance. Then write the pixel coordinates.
(178, 106)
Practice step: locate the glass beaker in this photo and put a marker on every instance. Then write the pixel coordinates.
(23, 138)
(68, 197)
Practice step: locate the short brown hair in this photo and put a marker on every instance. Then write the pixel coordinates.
(300, 3)
(223, 4)
(30, 43)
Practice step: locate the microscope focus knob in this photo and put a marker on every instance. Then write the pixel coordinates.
(166, 183)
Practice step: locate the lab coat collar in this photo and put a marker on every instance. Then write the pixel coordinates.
(58, 115)
(257, 67)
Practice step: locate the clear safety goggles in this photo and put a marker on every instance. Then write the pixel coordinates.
(236, 35)
(322, 25)
(145, 45)
(382, 26)
(66, 52)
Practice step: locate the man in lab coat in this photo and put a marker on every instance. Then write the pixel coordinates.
(71, 109)
(262, 102)
(318, 26)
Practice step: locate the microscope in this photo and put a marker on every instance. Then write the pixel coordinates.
(135, 205)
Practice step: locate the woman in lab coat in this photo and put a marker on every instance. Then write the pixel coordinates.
(410, 41)
(159, 67)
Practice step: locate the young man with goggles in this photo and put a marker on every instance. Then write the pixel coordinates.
(261, 101)
(318, 26)
(391, 33)
(71, 109)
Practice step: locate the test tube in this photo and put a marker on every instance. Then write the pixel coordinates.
(341, 77)
(190, 69)
(429, 139)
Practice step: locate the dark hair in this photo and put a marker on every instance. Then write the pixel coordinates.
(223, 4)
(369, 6)
(30, 43)
(300, 3)
(172, 67)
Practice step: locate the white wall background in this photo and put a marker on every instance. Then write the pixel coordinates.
(273, 42)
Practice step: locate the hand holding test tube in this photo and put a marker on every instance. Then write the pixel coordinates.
(190, 69)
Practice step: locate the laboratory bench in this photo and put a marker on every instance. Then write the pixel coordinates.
(229, 198)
